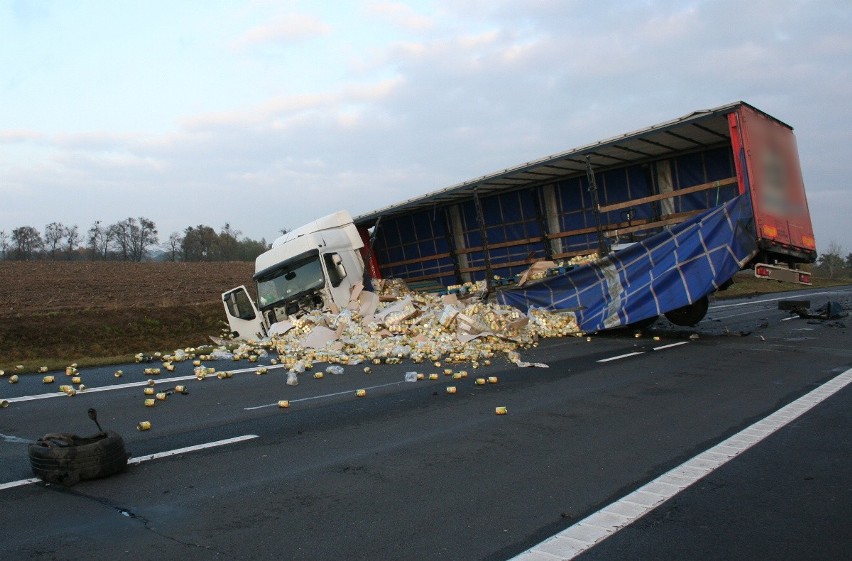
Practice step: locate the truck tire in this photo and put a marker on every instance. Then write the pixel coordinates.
(67, 458)
(643, 323)
(690, 314)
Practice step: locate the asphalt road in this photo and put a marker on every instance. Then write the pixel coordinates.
(411, 472)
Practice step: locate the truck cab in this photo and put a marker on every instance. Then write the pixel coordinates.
(314, 267)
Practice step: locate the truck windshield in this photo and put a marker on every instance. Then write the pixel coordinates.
(290, 280)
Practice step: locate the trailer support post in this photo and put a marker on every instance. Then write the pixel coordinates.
(603, 248)
(480, 219)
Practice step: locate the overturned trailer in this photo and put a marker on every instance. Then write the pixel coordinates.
(672, 211)
(693, 200)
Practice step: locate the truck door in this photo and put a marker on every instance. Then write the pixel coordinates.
(243, 317)
(338, 267)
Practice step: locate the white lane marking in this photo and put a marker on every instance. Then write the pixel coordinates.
(622, 356)
(155, 456)
(132, 384)
(596, 527)
(635, 353)
(792, 295)
(670, 345)
(323, 396)
(14, 439)
(19, 483)
(196, 447)
(751, 313)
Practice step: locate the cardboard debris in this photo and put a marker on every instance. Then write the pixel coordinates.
(319, 337)
(417, 327)
(280, 328)
(537, 271)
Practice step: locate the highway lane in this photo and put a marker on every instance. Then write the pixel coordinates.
(789, 498)
(408, 471)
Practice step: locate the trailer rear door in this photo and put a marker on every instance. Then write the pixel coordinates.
(767, 163)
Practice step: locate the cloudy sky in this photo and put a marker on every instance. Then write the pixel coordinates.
(267, 114)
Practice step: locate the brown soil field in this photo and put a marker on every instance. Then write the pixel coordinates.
(54, 313)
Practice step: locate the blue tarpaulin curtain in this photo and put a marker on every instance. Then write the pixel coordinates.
(670, 270)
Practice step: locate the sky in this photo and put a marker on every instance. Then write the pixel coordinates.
(268, 114)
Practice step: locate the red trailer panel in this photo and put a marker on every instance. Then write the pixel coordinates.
(368, 255)
(767, 164)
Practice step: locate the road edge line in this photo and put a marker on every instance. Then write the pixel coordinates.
(596, 527)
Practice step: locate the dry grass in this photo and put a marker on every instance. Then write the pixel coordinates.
(745, 284)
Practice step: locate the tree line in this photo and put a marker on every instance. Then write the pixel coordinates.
(832, 264)
(131, 239)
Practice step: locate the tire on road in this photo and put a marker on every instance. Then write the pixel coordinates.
(690, 314)
(67, 458)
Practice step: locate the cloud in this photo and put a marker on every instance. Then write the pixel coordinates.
(484, 86)
(21, 136)
(283, 30)
(401, 15)
(277, 111)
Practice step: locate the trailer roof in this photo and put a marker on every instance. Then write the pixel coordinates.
(697, 130)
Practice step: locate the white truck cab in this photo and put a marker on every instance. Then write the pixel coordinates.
(314, 267)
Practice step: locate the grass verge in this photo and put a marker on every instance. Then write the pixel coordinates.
(103, 336)
(746, 284)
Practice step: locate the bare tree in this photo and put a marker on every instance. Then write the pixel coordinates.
(53, 236)
(131, 238)
(100, 239)
(72, 240)
(831, 260)
(175, 242)
(4, 244)
(27, 241)
(228, 242)
(142, 238)
(121, 236)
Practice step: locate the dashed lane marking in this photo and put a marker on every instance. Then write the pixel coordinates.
(636, 353)
(670, 345)
(194, 448)
(619, 357)
(19, 483)
(323, 396)
(131, 384)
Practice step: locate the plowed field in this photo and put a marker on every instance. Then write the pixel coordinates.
(61, 311)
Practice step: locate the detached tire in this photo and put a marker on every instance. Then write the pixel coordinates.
(690, 314)
(67, 458)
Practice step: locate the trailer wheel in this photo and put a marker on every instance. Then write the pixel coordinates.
(643, 323)
(67, 458)
(690, 314)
